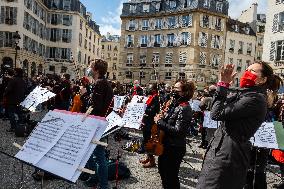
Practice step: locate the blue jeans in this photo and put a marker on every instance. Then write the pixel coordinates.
(98, 163)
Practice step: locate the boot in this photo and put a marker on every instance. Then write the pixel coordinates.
(144, 161)
(151, 163)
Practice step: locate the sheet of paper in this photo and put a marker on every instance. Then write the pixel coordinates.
(194, 104)
(66, 156)
(138, 99)
(114, 120)
(118, 102)
(208, 122)
(44, 137)
(36, 97)
(133, 115)
(265, 136)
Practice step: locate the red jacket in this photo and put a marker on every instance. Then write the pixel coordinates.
(278, 155)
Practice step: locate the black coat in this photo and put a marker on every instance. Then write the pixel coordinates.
(175, 125)
(227, 158)
(15, 91)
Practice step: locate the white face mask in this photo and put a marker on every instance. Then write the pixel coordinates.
(89, 72)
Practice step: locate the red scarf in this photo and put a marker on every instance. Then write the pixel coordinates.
(150, 99)
(248, 79)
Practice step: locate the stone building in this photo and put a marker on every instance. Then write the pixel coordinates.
(257, 23)
(110, 45)
(240, 46)
(164, 40)
(55, 35)
(273, 48)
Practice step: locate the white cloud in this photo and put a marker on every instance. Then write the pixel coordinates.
(111, 22)
(104, 28)
(237, 6)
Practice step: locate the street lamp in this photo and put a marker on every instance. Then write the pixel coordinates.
(16, 38)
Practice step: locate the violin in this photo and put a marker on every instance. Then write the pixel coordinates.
(154, 146)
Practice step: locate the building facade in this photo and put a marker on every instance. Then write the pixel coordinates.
(57, 36)
(164, 40)
(240, 46)
(273, 48)
(110, 46)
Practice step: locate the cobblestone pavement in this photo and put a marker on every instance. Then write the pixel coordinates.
(10, 169)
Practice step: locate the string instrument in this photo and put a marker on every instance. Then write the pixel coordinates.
(154, 145)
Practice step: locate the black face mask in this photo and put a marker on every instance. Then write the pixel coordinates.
(175, 95)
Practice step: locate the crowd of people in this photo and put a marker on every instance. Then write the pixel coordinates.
(230, 160)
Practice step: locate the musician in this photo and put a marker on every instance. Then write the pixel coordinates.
(175, 124)
(241, 114)
(137, 89)
(101, 100)
(153, 107)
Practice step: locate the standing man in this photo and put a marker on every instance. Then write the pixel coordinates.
(101, 100)
(65, 93)
(14, 94)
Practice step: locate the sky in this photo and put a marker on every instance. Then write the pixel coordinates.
(107, 12)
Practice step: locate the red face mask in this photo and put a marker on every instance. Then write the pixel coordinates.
(248, 79)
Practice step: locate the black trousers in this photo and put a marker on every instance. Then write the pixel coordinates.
(169, 164)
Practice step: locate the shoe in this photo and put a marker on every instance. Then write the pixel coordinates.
(151, 163)
(144, 161)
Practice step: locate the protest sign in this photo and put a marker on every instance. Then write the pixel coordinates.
(194, 104)
(118, 102)
(36, 97)
(208, 122)
(269, 135)
(62, 149)
(133, 115)
(139, 99)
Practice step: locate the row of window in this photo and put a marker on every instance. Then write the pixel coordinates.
(33, 46)
(240, 48)
(109, 47)
(212, 22)
(173, 4)
(86, 44)
(36, 9)
(6, 39)
(215, 59)
(58, 53)
(239, 63)
(58, 19)
(160, 23)
(159, 40)
(8, 15)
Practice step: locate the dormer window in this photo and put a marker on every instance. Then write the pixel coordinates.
(173, 4)
(206, 4)
(158, 7)
(219, 6)
(146, 8)
(132, 8)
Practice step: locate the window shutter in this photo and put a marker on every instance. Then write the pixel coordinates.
(1, 39)
(47, 52)
(272, 51)
(200, 39)
(15, 15)
(202, 58)
(59, 18)
(68, 54)
(201, 20)
(48, 18)
(70, 20)
(190, 18)
(69, 36)
(213, 41)
(2, 15)
(275, 25)
(58, 53)
(189, 38)
(221, 42)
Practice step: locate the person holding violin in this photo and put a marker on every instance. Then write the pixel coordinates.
(174, 125)
(153, 107)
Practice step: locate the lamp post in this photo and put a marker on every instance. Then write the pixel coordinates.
(16, 38)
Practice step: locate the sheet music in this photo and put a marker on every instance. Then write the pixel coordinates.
(118, 102)
(36, 97)
(208, 122)
(114, 123)
(133, 115)
(265, 136)
(43, 137)
(63, 155)
(140, 99)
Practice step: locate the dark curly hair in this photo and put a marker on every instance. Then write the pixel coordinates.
(187, 87)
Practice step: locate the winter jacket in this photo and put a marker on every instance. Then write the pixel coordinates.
(227, 158)
(15, 91)
(175, 125)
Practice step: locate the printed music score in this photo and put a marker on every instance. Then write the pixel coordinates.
(133, 115)
(63, 154)
(208, 122)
